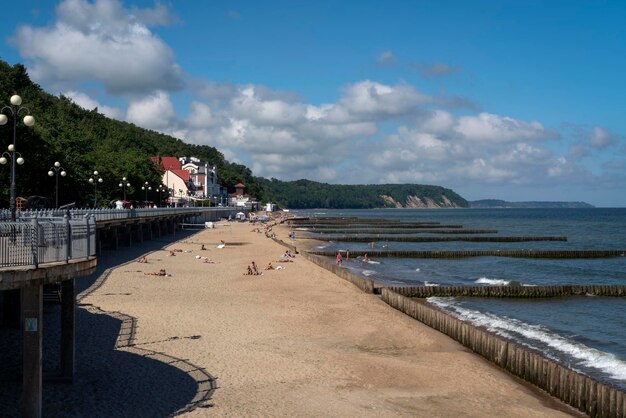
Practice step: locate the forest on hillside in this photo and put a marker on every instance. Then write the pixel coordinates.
(306, 194)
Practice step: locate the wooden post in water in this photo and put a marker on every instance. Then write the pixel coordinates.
(32, 308)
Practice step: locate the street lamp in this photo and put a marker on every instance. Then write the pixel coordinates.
(161, 189)
(14, 110)
(124, 185)
(95, 179)
(146, 188)
(54, 171)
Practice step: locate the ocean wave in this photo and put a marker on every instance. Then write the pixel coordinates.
(580, 354)
(429, 284)
(368, 273)
(492, 282)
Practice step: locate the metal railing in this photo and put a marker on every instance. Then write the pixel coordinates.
(39, 240)
(109, 214)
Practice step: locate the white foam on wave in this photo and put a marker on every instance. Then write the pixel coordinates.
(368, 273)
(302, 229)
(373, 262)
(429, 284)
(492, 282)
(507, 327)
(321, 247)
(417, 269)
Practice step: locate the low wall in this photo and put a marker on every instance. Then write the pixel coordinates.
(575, 389)
(509, 291)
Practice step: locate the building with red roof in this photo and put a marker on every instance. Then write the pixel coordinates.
(189, 178)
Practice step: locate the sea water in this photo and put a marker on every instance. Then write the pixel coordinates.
(587, 334)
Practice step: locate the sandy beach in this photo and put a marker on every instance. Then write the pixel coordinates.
(208, 340)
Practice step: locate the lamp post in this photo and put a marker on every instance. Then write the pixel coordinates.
(14, 110)
(161, 189)
(55, 170)
(95, 179)
(124, 185)
(146, 187)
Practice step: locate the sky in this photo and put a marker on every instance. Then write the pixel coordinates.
(514, 100)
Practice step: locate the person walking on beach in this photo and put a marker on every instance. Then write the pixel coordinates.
(339, 258)
(255, 270)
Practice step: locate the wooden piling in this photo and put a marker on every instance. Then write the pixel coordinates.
(573, 388)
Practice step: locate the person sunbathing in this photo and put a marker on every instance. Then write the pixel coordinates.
(255, 270)
(208, 260)
(269, 266)
(158, 273)
(249, 273)
(203, 247)
(171, 254)
(142, 260)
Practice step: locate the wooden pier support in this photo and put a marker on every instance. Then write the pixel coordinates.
(32, 312)
(68, 329)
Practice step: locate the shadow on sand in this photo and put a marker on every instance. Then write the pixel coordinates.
(113, 376)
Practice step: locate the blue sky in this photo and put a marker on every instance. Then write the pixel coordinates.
(495, 99)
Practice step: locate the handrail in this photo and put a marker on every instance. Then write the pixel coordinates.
(46, 241)
(109, 214)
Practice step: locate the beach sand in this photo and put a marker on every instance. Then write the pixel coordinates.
(211, 341)
(208, 340)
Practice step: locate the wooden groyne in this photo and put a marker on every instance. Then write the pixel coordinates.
(370, 238)
(483, 253)
(354, 225)
(581, 392)
(352, 220)
(459, 231)
(510, 291)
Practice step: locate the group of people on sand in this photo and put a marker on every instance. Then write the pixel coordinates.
(158, 273)
(253, 270)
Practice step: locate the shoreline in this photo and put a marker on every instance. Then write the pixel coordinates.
(298, 341)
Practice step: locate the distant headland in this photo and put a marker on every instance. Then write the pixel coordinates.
(497, 203)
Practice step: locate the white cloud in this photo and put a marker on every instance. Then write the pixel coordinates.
(379, 100)
(200, 116)
(601, 138)
(100, 41)
(386, 59)
(489, 127)
(152, 112)
(86, 102)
